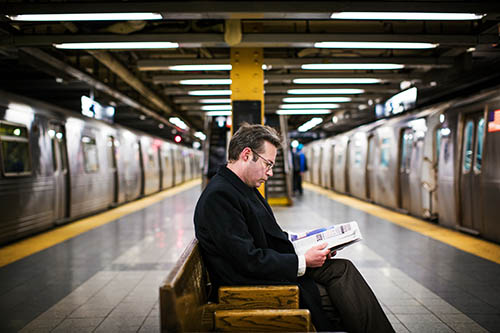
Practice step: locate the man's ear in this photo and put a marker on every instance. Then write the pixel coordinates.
(245, 154)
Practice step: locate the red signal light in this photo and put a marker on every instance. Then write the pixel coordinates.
(178, 138)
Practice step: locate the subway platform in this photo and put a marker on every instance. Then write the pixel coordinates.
(101, 274)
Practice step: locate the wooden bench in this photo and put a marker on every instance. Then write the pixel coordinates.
(184, 306)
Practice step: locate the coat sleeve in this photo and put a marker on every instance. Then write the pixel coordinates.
(224, 230)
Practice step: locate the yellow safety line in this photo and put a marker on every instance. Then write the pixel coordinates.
(29, 246)
(467, 243)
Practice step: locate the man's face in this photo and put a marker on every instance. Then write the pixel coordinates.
(259, 170)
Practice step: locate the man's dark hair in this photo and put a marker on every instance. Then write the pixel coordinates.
(252, 136)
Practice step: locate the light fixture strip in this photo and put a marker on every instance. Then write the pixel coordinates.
(86, 17)
(406, 16)
(302, 112)
(336, 81)
(216, 107)
(374, 45)
(310, 106)
(194, 82)
(217, 113)
(380, 66)
(316, 99)
(210, 92)
(325, 91)
(116, 45)
(209, 67)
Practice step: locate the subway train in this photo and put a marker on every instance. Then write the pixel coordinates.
(440, 163)
(57, 166)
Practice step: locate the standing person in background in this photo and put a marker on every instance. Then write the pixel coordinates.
(299, 167)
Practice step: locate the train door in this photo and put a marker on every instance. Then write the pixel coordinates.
(405, 150)
(113, 169)
(472, 149)
(142, 168)
(370, 162)
(347, 165)
(61, 172)
(332, 167)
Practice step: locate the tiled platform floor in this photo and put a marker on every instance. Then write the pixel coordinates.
(106, 280)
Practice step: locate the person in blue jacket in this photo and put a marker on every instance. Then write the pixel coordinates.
(299, 167)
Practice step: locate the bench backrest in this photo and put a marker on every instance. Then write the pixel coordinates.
(183, 293)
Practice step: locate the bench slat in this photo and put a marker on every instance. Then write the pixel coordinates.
(262, 320)
(260, 297)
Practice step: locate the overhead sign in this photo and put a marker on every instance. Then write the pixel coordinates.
(93, 109)
(494, 121)
(398, 103)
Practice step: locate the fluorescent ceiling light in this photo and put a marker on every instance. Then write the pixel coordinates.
(217, 113)
(310, 124)
(219, 67)
(215, 100)
(310, 106)
(200, 135)
(117, 45)
(178, 122)
(316, 99)
(337, 81)
(302, 112)
(352, 66)
(216, 107)
(324, 91)
(205, 81)
(87, 17)
(209, 92)
(374, 45)
(405, 16)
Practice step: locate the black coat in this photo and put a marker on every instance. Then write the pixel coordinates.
(242, 244)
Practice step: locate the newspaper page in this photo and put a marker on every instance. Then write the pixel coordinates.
(336, 236)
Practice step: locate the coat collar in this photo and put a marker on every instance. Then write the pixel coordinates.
(270, 225)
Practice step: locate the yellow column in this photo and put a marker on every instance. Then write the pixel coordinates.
(247, 86)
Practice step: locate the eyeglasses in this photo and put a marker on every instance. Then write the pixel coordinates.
(269, 164)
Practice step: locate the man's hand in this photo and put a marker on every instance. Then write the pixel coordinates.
(316, 255)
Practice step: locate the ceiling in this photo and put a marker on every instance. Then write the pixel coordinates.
(146, 93)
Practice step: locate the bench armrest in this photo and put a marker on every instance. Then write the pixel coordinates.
(263, 320)
(259, 297)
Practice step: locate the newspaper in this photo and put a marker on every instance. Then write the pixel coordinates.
(336, 236)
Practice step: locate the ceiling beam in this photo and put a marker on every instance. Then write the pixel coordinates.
(91, 81)
(287, 78)
(251, 9)
(271, 40)
(291, 63)
(386, 88)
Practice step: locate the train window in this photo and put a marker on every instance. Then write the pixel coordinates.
(54, 157)
(385, 152)
(91, 162)
(406, 149)
(479, 145)
(151, 160)
(468, 139)
(437, 143)
(15, 150)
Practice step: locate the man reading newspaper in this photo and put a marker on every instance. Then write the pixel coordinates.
(242, 244)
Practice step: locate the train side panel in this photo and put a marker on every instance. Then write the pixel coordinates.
(167, 165)
(357, 164)
(490, 177)
(129, 167)
(340, 163)
(26, 180)
(150, 164)
(88, 164)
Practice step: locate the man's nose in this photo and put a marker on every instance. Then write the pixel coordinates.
(269, 172)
